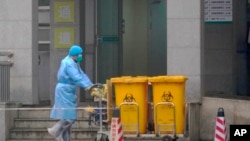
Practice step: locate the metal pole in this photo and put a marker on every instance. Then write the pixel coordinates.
(100, 103)
(96, 40)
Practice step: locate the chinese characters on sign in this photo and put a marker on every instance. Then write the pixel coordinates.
(64, 37)
(218, 11)
(64, 12)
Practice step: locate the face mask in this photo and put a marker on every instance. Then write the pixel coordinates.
(79, 58)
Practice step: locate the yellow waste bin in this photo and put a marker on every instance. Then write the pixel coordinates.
(131, 96)
(169, 103)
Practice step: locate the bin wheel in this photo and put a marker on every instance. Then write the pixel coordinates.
(167, 138)
(102, 138)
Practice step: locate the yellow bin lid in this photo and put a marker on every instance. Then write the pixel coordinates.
(127, 79)
(168, 79)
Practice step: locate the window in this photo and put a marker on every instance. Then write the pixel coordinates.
(43, 2)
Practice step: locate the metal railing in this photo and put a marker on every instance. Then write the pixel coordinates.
(5, 64)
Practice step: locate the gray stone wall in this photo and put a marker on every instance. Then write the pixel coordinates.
(8, 111)
(236, 112)
(225, 50)
(18, 27)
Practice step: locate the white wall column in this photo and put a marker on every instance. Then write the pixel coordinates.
(184, 45)
(18, 27)
(185, 54)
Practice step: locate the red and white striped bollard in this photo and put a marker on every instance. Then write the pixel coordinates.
(220, 126)
(116, 133)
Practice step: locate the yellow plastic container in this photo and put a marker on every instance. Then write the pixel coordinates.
(132, 89)
(169, 89)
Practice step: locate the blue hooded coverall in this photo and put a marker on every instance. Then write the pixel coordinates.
(69, 76)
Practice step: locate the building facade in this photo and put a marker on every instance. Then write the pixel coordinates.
(205, 40)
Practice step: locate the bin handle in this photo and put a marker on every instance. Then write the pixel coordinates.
(137, 106)
(155, 116)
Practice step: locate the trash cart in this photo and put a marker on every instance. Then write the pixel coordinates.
(131, 97)
(169, 104)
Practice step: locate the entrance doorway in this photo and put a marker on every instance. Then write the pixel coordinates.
(131, 38)
(108, 51)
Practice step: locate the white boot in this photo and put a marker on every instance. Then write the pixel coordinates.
(55, 130)
(50, 132)
(60, 137)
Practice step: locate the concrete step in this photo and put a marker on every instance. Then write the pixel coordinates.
(46, 123)
(85, 139)
(45, 113)
(152, 137)
(143, 139)
(42, 134)
(93, 139)
(31, 125)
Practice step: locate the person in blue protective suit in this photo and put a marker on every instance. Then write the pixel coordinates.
(69, 77)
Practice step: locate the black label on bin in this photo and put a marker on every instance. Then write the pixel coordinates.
(129, 98)
(167, 97)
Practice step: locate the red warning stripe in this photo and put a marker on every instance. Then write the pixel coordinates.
(121, 138)
(220, 129)
(120, 130)
(219, 120)
(219, 138)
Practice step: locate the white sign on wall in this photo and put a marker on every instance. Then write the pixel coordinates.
(218, 10)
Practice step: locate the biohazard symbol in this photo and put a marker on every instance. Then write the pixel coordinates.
(129, 98)
(167, 97)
